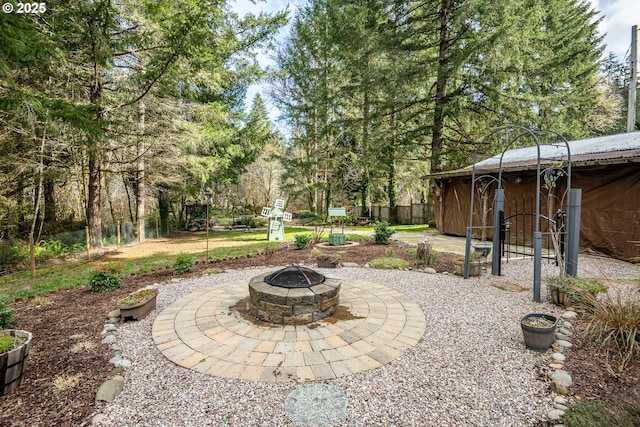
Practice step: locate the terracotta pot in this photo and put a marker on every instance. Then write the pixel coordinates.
(138, 310)
(13, 362)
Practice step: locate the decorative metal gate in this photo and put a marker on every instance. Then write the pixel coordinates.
(518, 228)
(552, 224)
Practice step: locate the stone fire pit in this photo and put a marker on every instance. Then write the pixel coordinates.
(293, 296)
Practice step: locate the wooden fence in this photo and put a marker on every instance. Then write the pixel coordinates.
(416, 213)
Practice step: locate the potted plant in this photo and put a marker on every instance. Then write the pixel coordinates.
(567, 290)
(475, 266)
(539, 330)
(328, 261)
(14, 349)
(137, 304)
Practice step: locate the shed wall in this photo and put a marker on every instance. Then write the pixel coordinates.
(610, 217)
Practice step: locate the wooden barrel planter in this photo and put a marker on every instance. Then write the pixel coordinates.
(475, 268)
(559, 297)
(137, 308)
(13, 362)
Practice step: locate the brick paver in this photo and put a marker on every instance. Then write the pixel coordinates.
(200, 332)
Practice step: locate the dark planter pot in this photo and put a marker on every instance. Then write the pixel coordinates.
(336, 239)
(138, 310)
(475, 268)
(13, 363)
(535, 338)
(327, 262)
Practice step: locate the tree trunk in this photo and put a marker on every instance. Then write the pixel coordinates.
(49, 200)
(441, 88)
(94, 220)
(365, 191)
(163, 208)
(391, 183)
(93, 200)
(366, 117)
(140, 178)
(437, 139)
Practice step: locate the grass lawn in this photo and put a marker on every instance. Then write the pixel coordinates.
(222, 245)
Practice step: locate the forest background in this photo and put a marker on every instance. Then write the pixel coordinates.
(116, 111)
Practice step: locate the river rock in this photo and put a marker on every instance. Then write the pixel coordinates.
(561, 400)
(559, 388)
(555, 414)
(564, 343)
(561, 377)
(109, 389)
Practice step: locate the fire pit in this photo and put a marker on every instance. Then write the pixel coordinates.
(293, 296)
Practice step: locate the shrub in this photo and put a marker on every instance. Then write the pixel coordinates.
(431, 258)
(576, 288)
(382, 233)
(249, 221)
(615, 321)
(388, 263)
(6, 342)
(587, 414)
(315, 252)
(54, 247)
(107, 277)
(6, 313)
(306, 214)
(576, 285)
(619, 409)
(350, 219)
(10, 255)
(302, 240)
(184, 264)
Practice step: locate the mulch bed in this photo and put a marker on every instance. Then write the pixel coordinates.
(77, 316)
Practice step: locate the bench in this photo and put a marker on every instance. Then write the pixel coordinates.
(238, 227)
(363, 220)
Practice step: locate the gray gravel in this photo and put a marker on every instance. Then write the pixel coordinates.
(470, 369)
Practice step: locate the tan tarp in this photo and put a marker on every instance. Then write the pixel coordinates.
(610, 218)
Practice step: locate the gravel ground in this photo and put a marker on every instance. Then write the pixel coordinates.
(470, 369)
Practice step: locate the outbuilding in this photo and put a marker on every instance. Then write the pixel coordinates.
(606, 169)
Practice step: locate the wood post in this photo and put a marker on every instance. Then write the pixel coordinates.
(32, 255)
(86, 232)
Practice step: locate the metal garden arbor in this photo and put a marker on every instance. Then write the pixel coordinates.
(509, 135)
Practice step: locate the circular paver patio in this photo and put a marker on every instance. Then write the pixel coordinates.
(205, 332)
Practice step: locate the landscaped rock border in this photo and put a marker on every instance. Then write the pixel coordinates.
(111, 388)
(561, 379)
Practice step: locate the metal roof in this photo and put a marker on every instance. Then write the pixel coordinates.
(612, 149)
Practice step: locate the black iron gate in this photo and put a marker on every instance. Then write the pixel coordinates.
(518, 227)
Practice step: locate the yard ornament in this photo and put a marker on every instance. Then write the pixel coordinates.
(276, 215)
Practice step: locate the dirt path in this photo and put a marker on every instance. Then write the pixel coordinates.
(184, 242)
(194, 242)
